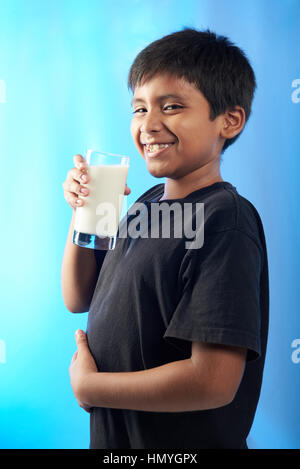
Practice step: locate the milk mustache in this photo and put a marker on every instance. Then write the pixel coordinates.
(102, 208)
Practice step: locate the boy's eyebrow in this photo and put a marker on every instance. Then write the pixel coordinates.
(159, 98)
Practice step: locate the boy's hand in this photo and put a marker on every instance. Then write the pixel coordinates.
(74, 185)
(82, 366)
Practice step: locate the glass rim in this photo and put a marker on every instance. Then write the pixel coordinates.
(89, 151)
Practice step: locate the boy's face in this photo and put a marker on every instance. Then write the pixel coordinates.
(169, 110)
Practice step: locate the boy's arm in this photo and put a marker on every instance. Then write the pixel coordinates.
(79, 274)
(207, 380)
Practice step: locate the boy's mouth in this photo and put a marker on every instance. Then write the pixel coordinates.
(156, 149)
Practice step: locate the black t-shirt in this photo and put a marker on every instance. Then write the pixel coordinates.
(154, 297)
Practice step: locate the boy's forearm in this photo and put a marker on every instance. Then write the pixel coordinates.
(78, 274)
(174, 387)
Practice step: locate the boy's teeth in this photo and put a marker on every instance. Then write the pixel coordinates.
(157, 146)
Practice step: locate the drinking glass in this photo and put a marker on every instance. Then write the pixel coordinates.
(96, 223)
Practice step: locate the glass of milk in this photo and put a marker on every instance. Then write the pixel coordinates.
(96, 223)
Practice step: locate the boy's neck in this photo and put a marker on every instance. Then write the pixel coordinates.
(180, 188)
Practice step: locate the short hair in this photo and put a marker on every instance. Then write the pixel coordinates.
(217, 67)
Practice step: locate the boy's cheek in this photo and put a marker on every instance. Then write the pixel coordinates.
(141, 151)
(135, 133)
(139, 146)
(133, 130)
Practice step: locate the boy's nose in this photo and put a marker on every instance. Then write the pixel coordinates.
(151, 123)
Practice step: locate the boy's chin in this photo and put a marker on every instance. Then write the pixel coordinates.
(162, 172)
(157, 173)
(157, 170)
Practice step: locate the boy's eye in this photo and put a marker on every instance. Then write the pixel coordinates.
(138, 110)
(173, 106)
(169, 107)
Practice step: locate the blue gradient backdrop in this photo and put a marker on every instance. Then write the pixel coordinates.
(63, 70)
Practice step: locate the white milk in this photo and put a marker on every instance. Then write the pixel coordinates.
(106, 187)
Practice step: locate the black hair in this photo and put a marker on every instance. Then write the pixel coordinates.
(218, 68)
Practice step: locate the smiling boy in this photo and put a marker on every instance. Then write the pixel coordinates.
(176, 338)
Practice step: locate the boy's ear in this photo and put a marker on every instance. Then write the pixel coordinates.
(233, 122)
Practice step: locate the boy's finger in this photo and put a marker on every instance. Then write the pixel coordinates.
(81, 340)
(127, 190)
(74, 357)
(78, 175)
(79, 160)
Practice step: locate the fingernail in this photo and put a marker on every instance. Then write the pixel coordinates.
(83, 177)
(78, 201)
(83, 190)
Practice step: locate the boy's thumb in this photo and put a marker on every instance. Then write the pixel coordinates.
(80, 337)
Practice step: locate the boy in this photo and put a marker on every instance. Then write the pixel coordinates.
(176, 337)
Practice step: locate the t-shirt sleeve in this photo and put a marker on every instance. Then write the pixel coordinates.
(220, 297)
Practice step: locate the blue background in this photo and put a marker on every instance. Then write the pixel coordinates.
(63, 72)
